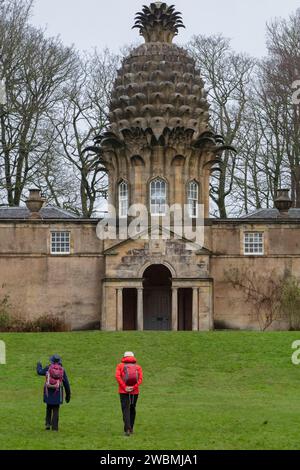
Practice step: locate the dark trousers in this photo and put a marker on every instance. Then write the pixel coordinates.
(52, 416)
(128, 404)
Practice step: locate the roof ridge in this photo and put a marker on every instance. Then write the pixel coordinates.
(257, 211)
(13, 207)
(23, 212)
(63, 211)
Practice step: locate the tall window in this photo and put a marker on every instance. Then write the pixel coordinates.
(123, 199)
(193, 199)
(253, 243)
(60, 243)
(158, 197)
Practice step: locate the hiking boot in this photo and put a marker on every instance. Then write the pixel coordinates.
(48, 427)
(131, 431)
(127, 433)
(54, 429)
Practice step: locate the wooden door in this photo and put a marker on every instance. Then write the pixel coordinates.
(157, 309)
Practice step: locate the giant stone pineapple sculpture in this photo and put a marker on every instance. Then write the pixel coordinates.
(159, 115)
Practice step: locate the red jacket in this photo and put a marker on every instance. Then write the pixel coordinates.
(120, 375)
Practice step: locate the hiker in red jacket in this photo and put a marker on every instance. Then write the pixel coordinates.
(129, 376)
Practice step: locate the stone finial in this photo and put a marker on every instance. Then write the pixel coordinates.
(283, 201)
(158, 22)
(34, 203)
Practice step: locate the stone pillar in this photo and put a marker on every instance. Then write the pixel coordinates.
(195, 308)
(111, 308)
(205, 308)
(211, 307)
(103, 309)
(138, 187)
(205, 193)
(140, 310)
(179, 186)
(174, 308)
(120, 309)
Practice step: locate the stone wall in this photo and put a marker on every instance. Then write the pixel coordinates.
(282, 255)
(39, 283)
(71, 286)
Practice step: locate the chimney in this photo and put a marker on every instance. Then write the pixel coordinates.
(283, 202)
(34, 203)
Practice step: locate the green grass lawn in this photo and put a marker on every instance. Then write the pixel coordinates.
(218, 390)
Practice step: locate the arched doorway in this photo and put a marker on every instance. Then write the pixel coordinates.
(157, 298)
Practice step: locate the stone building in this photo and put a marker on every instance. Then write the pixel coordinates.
(159, 150)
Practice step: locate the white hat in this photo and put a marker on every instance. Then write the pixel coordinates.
(128, 354)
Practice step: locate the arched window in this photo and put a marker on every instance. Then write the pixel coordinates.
(158, 197)
(123, 199)
(193, 199)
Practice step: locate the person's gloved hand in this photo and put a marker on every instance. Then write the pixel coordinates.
(39, 364)
(68, 398)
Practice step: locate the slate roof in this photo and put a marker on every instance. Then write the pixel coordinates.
(47, 212)
(53, 212)
(294, 213)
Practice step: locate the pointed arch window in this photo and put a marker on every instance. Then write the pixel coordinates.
(193, 199)
(123, 199)
(158, 197)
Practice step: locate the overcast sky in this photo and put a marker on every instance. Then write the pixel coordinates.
(101, 23)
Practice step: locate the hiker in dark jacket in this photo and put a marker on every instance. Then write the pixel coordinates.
(54, 390)
(129, 376)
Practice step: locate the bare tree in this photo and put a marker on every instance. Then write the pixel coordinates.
(228, 77)
(79, 118)
(34, 69)
(263, 294)
(54, 175)
(282, 117)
